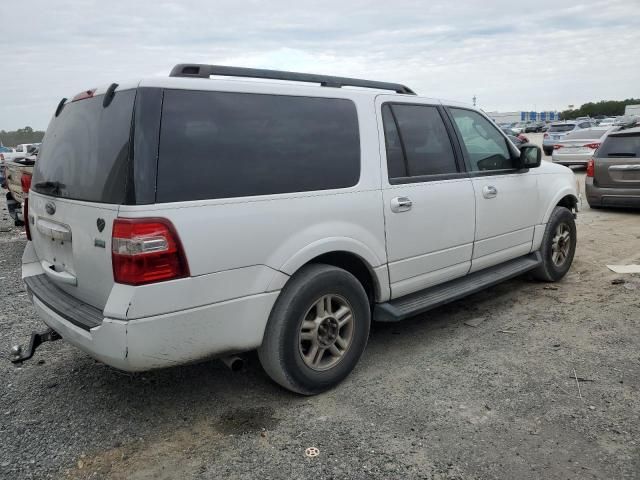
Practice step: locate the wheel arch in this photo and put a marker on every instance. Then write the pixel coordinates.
(350, 255)
(565, 198)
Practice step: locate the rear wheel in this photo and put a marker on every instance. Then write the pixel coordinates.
(547, 151)
(558, 246)
(317, 330)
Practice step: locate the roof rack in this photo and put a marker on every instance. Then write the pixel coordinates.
(195, 70)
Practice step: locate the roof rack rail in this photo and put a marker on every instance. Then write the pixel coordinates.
(195, 70)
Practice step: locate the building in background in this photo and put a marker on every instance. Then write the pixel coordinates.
(522, 116)
(632, 110)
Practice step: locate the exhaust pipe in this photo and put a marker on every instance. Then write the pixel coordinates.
(234, 362)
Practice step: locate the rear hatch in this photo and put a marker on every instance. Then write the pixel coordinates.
(557, 132)
(79, 181)
(618, 160)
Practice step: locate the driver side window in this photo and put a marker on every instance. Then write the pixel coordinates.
(485, 147)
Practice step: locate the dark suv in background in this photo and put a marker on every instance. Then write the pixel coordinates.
(613, 174)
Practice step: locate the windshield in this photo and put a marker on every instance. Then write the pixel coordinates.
(85, 152)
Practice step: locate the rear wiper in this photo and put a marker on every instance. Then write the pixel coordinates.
(52, 187)
(621, 154)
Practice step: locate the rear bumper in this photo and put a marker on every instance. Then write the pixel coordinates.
(611, 197)
(160, 341)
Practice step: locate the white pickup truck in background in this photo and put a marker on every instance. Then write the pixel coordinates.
(16, 169)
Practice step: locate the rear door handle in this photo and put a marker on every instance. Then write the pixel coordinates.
(401, 204)
(624, 167)
(61, 276)
(489, 191)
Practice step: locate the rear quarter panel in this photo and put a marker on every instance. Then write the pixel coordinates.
(281, 232)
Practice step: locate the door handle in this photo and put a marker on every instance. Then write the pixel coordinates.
(489, 191)
(400, 204)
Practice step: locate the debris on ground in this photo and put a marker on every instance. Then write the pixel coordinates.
(474, 322)
(624, 268)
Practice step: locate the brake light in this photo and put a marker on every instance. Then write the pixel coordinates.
(25, 214)
(25, 181)
(83, 95)
(146, 250)
(558, 147)
(591, 167)
(593, 146)
(546, 135)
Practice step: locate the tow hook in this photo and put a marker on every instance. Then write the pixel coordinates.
(18, 355)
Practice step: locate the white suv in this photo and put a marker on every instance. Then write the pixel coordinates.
(183, 218)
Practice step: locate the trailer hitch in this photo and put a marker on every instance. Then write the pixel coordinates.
(18, 355)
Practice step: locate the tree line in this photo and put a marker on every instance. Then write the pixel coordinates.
(610, 108)
(21, 135)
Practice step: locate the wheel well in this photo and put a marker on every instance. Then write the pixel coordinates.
(356, 266)
(570, 202)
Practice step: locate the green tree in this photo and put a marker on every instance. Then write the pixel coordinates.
(610, 108)
(21, 135)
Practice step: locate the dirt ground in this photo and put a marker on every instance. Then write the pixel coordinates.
(433, 398)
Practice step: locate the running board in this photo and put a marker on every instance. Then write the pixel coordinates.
(432, 297)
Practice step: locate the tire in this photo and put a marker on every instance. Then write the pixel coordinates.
(548, 151)
(296, 326)
(557, 253)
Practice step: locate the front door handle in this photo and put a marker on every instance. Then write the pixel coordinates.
(489, 191)
(400, 204)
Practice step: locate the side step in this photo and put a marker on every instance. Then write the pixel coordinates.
(432, 297)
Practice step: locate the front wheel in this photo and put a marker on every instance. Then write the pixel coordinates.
(558, 246)
(317, 330)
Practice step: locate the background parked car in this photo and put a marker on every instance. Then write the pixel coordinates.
(18, 174)
(577, 147)
(613, 174)
(557, 131)
(607, 122)
(516, 138)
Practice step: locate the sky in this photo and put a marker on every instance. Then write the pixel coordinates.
(538, 55)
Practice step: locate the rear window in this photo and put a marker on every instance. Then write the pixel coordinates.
(620, 146)
(220, 144)
(562, 128)
(585, 134)
(85, 153)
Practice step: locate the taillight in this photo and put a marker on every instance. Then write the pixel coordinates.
(25, 214)
(593, 146)
(25, 181)
(557, 147)
(546, 135)
(146, 250)
(591, 167)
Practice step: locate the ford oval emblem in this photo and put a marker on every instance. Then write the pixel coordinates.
(50, 207)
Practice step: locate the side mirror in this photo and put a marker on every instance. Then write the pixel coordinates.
(530, 156)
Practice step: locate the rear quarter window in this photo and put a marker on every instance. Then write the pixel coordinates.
(221, 145)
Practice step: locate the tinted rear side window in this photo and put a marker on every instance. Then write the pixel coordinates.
(424, 141)
(620, 146)
(220, 144)
(85, 152)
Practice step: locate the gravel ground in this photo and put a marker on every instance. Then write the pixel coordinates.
(432, 398)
